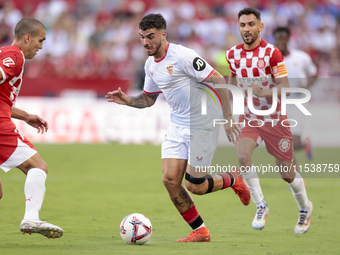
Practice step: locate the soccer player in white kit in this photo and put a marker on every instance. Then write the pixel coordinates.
(302, 73)
(259, 65)
(15, 149)
(189, 145)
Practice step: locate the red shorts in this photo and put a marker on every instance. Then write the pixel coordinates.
(14, 148)
(278, 138)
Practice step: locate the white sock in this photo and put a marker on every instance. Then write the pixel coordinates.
(252, 180)
(299, 192)
(34, 192)
(201, 226)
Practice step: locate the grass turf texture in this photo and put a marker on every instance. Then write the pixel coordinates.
(91, 188)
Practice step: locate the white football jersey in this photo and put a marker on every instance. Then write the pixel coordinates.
(299, 66)
(180, 75)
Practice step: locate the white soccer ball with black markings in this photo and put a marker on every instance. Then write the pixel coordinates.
(135, 229)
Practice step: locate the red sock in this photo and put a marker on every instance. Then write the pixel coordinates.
(192, 217)
(228, 180)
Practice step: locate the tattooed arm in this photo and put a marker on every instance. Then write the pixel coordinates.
(141, 101)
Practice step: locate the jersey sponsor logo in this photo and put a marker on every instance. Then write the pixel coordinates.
(199, 64)
(8, 61)
(170, 70)
(260, 64)
(284, 144)
(248, 81)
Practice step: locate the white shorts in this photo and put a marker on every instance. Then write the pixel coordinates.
(196, 145)
(21, 153)
(294, 113)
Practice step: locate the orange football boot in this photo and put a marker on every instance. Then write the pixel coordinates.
(240, 187)
(200, 235)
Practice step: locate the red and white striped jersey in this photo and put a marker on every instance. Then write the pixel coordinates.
(12, 62)
(260, 66)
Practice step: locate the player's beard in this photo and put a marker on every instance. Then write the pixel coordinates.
(157, 49)
(254, 38)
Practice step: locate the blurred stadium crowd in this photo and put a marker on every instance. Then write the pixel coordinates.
(99, 38)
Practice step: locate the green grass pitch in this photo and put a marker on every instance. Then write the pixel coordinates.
(91, 188)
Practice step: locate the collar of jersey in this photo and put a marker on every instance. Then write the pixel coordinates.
(166, 52)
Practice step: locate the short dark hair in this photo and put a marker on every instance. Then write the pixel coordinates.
(152, 21)
(28, 26)
(248, 11)
(282, 29)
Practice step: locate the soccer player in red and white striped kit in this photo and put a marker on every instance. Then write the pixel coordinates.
(258, 65)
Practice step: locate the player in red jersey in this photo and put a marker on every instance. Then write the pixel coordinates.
(258, 65)
(15, 149)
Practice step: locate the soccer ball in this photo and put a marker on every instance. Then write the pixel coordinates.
(135, 229)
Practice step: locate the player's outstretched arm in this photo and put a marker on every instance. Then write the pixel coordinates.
(31, 119)
(141, 101)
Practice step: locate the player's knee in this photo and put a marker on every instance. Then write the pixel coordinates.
(34, 162)
(43, 166)
(288, 179)
(244, 159)
(288, 176)
(195, 188)
(170, 182)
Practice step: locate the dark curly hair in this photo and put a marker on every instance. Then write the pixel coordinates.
(152, 21)
(248, 11)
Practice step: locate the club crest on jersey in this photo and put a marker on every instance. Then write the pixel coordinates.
(151, 72)
(8, 61)
(284, 144)
(260, 64)
(170, 70)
